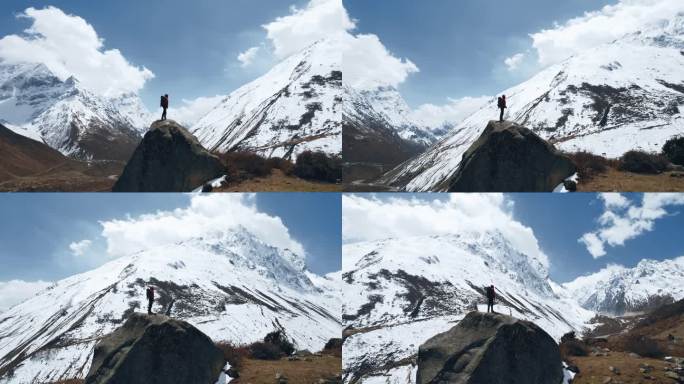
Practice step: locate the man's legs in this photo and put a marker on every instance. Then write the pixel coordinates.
(164, 114)
(501, 115)
(149, 307)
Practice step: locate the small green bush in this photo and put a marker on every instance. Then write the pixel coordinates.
(265, 351)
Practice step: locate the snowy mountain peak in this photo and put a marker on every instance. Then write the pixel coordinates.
(617, 290)
(294, 107)
(229, 284)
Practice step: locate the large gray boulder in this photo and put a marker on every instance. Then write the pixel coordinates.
(510, 158)
(155, 349)
(169, 159)
(489, 348)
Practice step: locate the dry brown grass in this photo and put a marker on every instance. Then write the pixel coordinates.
(277, 181)
(595, 369)
(618, 181)
(301, 371)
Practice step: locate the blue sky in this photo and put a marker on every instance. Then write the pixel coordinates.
(34, 243)
(557, 222)
(460, 46)
(190, 46)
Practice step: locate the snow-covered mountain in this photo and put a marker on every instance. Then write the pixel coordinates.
(616, 290)
(369, 137)
(296, 106)
(389, 103)
(397, 293)
(34, 102)
(230, 285)
(627, 94)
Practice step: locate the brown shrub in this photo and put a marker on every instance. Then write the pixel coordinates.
(279, 163)
(573, 347)
(265, 351)
(333, 347)
(589, 165)
(318, 166)
(644, 346)
(233, 354)
(643, 162)
(242, 166)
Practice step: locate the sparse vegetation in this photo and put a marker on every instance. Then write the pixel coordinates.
(278, 339)
(573, 348)
(318, 166)
(246, 165)
(589, 165)
(643, 162)
(674, 150)
(333, 347)
(265, 351)
(233, 354)
(644, 346)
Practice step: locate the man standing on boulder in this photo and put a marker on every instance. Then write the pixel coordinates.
(491, 295)
(150, 293)
(502, 106)
(164, 103)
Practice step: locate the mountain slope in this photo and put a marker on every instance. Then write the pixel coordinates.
(617, 290)
(389, 103)
(369, 139)
(36, 103)
(231, 286)
(400, 292)
(295, 107)
(627, 94)
(22, 156)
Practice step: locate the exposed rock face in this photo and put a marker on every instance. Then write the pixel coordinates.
(492, 349)
(510, 158)
(169, 159)
(151, 349)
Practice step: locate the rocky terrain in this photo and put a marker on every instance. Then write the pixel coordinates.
(169, 159)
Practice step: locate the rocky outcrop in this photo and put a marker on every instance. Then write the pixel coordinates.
(169, 159)
(508, 157)
(150, 349)
(490, 349)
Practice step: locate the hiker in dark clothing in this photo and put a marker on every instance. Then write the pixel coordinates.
(164, 103)
(491, 295)
(502, 105)
(150, 293)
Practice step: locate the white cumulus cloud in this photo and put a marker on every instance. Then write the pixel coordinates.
(623, 220)
(455, 111)
(514, 61)
(602, 26)
(368, 64)
(206, 214)
(79, 248)
(70, 46)
(302, 27)
(246, 58)
(369, 218)
(15, 291)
